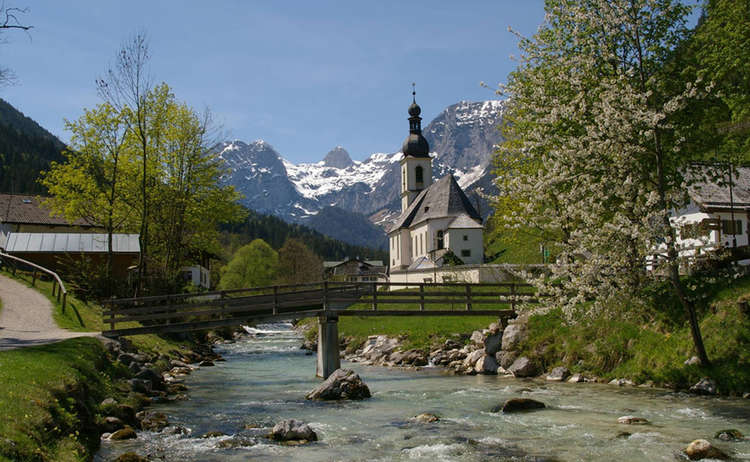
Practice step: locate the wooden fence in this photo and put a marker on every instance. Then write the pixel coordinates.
(58, 288)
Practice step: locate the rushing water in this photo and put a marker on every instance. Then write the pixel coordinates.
(265, 379)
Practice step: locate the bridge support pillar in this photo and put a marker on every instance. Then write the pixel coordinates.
(328, 346)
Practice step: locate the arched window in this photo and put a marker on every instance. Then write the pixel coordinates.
(440, 239)
(419, 174)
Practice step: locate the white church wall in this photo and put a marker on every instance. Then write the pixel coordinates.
(467, 244)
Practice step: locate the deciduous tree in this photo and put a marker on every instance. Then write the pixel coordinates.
(253, 265)
(593, 153)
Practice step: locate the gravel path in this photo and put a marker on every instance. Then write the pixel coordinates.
(26, 318)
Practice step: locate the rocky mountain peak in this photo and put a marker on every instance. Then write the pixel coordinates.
(338, 158)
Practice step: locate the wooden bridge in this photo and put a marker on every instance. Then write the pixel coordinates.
(325, 300)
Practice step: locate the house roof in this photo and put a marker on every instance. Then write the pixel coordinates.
(70, 243)
(463, 221)
(333, 264)
(444, 198)
(23, 209)
(709, 186)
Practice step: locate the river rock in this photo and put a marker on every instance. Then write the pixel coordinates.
(558, 374)
(126, 433)
(621, 382)
(140, 386)
(157, 381)
(486, 365)
(506, 358)
(492, 342)
(152, 421)
(706, 386)
(206, 363)
(213, 434)
(729, 435)
(513, 335)
(111, 424)
(519, 405)
(702, 449)
(293, 430)
(632, 420)
(236, 442)
(130, 457)
(576, 378)
(378, 346)
(472, 359)
(342, 384)
(477, 337)
(523, 367)
(425, 418)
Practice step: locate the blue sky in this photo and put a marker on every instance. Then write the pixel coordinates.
(303, 75)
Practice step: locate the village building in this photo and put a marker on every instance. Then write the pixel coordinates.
(438, 225)
(30, 231)
(354, 270)
(717, 214)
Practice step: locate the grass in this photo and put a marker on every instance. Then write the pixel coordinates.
(49, 395)
(651, 348)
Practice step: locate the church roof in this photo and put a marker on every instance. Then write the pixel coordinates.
(444, 198)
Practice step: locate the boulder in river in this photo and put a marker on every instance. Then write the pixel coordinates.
(152, 421)
(577, 378)
(425, 418)
(293, 430)
(342, 384)
(632, 420)
(506, 358)
(558, 374)
(519, 405)
(729, 435)
(702, 449)
(126, 433)
(486, 365)
(706, 386)
(130, 457)
(523, 367)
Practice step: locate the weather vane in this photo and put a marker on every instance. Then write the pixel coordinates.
(414, 92)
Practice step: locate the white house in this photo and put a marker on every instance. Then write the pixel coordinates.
(435, 217)
(715, 217)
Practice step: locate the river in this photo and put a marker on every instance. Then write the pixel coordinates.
(266, 377)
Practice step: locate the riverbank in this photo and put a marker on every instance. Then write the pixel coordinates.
(627, 345)
(58, 399)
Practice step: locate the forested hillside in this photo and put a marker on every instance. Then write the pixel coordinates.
(25, 150)
(275, 232)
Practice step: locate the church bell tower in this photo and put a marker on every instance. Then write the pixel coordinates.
(416, 166)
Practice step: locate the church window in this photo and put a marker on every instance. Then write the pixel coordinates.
(466, 253)
(419, 173)
(466, 238)
(440, 239)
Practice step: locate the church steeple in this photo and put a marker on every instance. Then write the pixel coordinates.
(416, 166)
(415, 145)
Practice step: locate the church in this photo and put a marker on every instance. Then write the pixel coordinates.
(438, 222)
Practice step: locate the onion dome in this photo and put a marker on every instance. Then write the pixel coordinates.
(415, 144)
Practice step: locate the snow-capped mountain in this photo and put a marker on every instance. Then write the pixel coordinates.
(461, 139)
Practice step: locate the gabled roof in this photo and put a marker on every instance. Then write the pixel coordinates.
(709, 186)
(23, 209)
(444, 198)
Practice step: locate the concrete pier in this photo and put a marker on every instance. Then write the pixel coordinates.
(328, 346)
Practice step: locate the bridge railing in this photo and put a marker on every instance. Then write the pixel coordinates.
(198, 311)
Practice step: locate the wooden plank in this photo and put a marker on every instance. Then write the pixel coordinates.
(381, 312)
(204, 325)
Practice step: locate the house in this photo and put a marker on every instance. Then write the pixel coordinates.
(436, 217)
(27, 214)
(28, 230)
(355, 270)
(717, 214)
